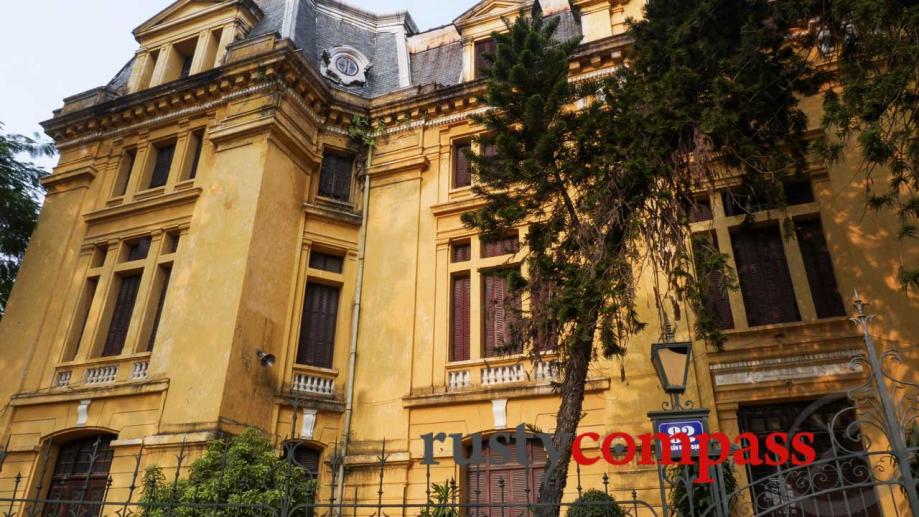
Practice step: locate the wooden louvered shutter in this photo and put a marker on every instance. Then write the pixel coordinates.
(502, 246)
(765, 283)
(459, 319)
(716, 294)
(159, 309)
(819, 267)
(499, 310)
(121, 315)
(308, 458)
(494, 313)
(335, 176)
(462, 171)
(317, 327)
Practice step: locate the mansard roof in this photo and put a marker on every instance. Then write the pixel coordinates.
(399, 55)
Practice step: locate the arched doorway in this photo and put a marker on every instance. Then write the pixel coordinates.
(496, 482)
(80, 476)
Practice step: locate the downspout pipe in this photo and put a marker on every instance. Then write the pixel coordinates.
(355, 325)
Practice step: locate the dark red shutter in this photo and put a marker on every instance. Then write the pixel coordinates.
(819, 267)
(763, 273)
(459, 318)
(161, 166)
(167, 272)
(461, 252)
(483, 484)
(317, 328)
(716, 291)
(501, 246)
(462, 171)
(335, 176)
(482, 64)
(121, 315)
(499, 311)
(74, 480)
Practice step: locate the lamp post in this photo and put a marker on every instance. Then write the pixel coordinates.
(672, 360)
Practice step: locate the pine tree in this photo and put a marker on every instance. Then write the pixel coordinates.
(602, 173)
(873, 48)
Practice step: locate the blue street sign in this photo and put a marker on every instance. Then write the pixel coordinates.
(692, 428)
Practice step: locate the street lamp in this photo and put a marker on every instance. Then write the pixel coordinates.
(671, 363)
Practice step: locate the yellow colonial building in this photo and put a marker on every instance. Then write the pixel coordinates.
(211, 256)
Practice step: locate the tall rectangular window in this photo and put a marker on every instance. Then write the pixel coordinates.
(459, 318)
(765, 283)
(462, 169)
(161, 299)
(121, 314)
(197, 143)
(162, 164)
(335, 176)
(499, 307)
(819, 267)
(705, 248)
(317, 326)
(86, 302)
(482, 63)
(124, 172)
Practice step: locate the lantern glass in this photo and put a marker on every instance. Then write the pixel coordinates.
(671, 361)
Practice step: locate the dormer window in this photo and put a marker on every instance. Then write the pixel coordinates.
(482, 64)
(345, 65)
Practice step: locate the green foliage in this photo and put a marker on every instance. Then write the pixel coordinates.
(20, 195)
(245, 470)
(604, 172)
(711, 91)
(680, 477)
(874, 46)
(442, 497)
(595, 503)
(363, 132)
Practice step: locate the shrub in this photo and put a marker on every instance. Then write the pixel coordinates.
(245, 471)
(595, 503)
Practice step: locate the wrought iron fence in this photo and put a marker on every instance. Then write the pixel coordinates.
(853, 477)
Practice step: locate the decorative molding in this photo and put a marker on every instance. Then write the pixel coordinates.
(488, 393)
(499, 411)
(83, 412)
(797, 359)
(783, 374)
(146, 205)
(308, 424)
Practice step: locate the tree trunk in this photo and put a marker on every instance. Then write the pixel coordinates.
(566, 423)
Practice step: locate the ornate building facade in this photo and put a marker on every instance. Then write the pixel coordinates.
(206, 217)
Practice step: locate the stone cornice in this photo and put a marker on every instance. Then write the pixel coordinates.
(250, 69)
(154, 203)
(777, 361)
(284, 67)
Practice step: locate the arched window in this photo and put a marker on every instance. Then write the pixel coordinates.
(521, 483)
(80, 474)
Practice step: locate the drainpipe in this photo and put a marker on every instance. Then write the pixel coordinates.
(355, 323)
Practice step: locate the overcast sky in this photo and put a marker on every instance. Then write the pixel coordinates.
(51, 49)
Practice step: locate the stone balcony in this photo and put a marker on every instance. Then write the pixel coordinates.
(101, 372)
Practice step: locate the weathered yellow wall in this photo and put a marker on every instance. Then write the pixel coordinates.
(248, 223)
